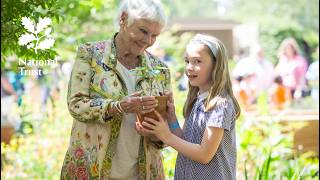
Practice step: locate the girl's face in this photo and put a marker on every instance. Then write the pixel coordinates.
(199, 66)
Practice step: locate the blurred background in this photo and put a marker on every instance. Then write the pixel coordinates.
(273, 49)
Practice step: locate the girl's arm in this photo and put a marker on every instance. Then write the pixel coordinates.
(172, 118)
(177, 131)
(202, 153)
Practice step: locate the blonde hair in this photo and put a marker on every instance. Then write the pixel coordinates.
(289, 42)
(143, 9)
(221, 81)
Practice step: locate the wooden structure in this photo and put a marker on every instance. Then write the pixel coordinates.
(305, 126)
(222, 29)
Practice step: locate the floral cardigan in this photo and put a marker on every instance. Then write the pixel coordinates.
(95, 83)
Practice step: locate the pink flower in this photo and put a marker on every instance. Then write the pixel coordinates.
(82, 173)
(101, 46)
(71, 168)
(78, 153)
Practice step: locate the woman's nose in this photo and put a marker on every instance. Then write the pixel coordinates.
(148, 40)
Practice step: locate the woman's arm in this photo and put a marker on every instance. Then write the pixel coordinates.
(85, 108)
(81, 106)
(202, 153)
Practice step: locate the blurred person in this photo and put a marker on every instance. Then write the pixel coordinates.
(55, 78)
(10, 119)
(279, 95)
(17, 81)
(44, 85)
(260, 69)
(292, 67)
(312, 76)
(7, 88)
(105, 94)
(242, 92)
(263, 69)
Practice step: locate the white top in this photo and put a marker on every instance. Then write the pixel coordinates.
(261, 69)
(125, 160)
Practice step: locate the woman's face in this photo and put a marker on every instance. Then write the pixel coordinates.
(199, 66)
(289, 51)
(140, 35)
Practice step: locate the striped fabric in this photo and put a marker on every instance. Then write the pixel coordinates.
(223, 164)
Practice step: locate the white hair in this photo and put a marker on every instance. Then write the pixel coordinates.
(143, 9)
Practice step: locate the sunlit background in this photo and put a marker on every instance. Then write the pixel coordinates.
(276, 139)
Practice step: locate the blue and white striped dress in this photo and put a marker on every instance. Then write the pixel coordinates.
(223, 164)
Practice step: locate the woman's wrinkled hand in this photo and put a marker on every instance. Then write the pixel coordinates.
(135, 103)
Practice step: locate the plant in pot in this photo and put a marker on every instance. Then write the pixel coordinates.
(154, 76)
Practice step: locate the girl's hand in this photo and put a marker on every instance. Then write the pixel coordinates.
(141, 130)
(159, 128)
(171, 112)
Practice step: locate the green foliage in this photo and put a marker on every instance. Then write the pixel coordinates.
(266, 153)
(73, 21)
(38, 155)
(272, 38)
(262, 103)
(175, 46)
(12, 12)
(279, 19)
(181, 8)
(169, 160)
(155, 75)
(263, 151)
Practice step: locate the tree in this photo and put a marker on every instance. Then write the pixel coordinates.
(69, 19)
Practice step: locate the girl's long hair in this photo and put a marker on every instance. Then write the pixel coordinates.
(221, 82)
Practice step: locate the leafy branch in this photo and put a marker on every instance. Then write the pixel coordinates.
(155, 75)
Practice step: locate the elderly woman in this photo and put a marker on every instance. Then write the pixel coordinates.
(105, 94)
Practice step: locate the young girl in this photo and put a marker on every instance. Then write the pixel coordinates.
(207, 142)
(279, 94)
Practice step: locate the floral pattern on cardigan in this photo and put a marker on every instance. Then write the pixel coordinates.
(93, 85)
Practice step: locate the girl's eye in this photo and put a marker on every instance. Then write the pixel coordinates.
(197, 61)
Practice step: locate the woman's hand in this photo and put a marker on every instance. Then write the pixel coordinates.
(159, 128)
(134, 103)
(171, 112)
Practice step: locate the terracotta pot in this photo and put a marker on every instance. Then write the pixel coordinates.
(161, 108)
(6, 133)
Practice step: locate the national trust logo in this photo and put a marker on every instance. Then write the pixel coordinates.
(38, 35)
